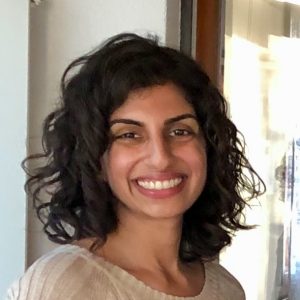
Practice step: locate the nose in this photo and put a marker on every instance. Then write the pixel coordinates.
(159, 153)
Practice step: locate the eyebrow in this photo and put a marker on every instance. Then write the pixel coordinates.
(179, 118)
(140, 124)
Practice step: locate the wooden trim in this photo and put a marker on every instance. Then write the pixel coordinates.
(208, 38)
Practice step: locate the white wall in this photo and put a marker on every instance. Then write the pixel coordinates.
(60, 31)
(13, 127)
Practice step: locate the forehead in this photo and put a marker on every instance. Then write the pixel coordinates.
(157, 101)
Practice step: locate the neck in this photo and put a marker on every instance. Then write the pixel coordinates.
(139, 240)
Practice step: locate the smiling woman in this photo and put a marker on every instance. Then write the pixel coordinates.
(146, 168)
(156, 164)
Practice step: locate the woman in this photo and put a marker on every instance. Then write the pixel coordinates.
(145, 174)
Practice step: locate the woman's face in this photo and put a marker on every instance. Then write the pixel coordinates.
(156, 164)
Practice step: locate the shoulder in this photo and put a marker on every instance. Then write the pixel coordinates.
(224, 282)
(57, 275)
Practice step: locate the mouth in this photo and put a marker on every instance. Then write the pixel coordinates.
(158, 188)
(159, 184)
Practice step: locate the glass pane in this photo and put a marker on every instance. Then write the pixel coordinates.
(262, 85)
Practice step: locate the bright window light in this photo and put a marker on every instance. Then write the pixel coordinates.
(296, 2)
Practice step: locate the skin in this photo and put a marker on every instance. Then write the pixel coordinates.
(155, 138)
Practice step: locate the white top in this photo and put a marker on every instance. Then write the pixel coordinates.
(72, 272)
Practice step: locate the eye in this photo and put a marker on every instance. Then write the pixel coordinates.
(127, 135)
(180, 132)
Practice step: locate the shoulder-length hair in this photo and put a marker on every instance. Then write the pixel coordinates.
(79, 203)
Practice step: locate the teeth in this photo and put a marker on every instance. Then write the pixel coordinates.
(159, 185)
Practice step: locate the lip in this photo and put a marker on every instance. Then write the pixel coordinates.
(164, 193)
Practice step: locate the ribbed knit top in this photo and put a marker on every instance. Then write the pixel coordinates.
(72, 272)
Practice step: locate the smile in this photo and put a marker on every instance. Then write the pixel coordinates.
(158, 184)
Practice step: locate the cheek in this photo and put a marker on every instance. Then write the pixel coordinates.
(117, 165)
(196, 159)
(195, 156)
(198, 165)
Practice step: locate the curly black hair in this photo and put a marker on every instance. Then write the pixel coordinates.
(79, 203)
